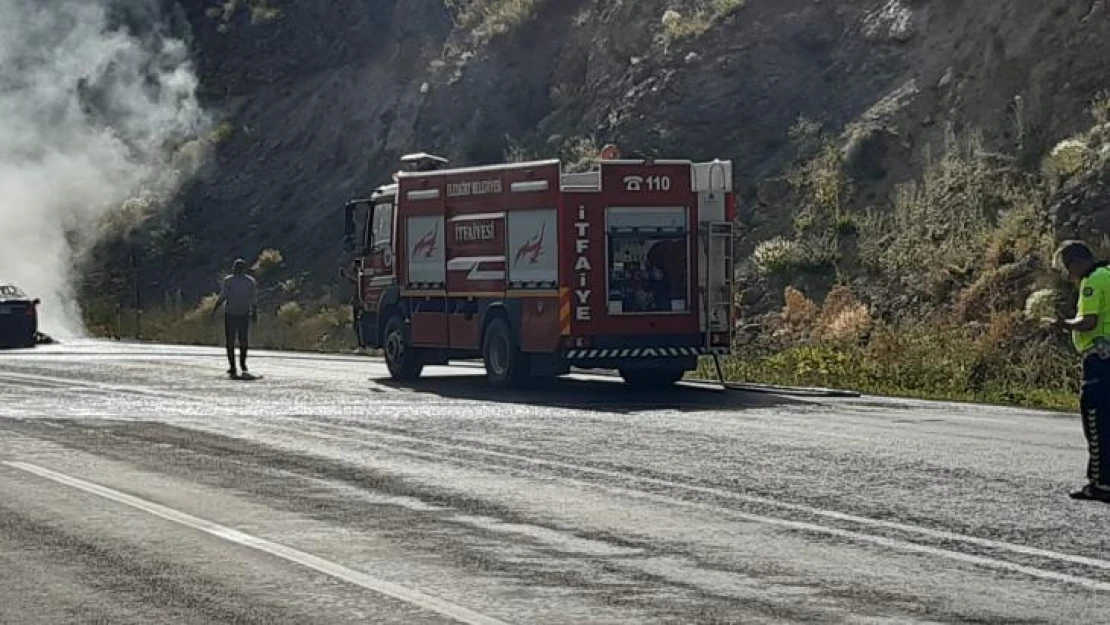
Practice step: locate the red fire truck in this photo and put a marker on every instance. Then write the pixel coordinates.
(628, 266)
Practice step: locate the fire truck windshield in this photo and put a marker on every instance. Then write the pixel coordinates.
(648, 261)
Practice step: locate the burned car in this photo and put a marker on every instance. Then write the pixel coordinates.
(19, 317)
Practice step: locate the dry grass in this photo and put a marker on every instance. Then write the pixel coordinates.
(799, 312)
(778, 255)
(961, 251)
(268, 261)
(843, 318)
(1067, 159)
(579, 153)
(261, 11)
(1042, 304)
(945, 218)
(292, 326)
(820, 220)
(223, 132)
(1005, 363)
(692, 18)
(488, 19)
(1100, 108)
(983, 229)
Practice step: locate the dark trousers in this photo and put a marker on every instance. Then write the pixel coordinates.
(235, 327)
(1094, 401)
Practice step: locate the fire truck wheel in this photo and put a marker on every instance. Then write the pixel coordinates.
(401, 357)
(651, 378)
(505, 364)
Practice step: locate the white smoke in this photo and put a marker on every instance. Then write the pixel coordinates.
(91, 112)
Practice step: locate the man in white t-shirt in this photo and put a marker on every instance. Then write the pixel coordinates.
(238, 296)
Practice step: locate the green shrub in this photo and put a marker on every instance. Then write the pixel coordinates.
(1042, 304)
(289, 327)
(579, 153)
(268, 261)
(487, 19)
(1067, 159)
(260, 10)
(1100, 108)
(290, 313)
(919, 360)
(703, 15)
(222, 132)
(946, 218)
(777, 256)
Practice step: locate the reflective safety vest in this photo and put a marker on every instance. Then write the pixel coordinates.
(1094, 299)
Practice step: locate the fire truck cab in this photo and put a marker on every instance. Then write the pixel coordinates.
(628, 266)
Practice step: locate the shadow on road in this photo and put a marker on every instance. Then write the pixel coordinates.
(598, 395)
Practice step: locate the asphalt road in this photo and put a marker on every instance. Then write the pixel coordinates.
(139, 485)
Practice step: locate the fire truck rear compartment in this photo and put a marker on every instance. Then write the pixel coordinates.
(647, 264)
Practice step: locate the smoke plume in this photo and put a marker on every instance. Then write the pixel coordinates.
(96, 98)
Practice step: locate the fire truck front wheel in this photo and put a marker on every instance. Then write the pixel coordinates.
(401, 357)
(506, 365)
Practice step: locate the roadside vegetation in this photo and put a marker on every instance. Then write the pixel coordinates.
(937, 295)
(933, 288)
(840, 345)
(259, 11)
(693, 18)
(486, 19)
(480, 22)
(286, 320)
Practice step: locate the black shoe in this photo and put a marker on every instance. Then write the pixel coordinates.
(232, 373)
(1090, 492)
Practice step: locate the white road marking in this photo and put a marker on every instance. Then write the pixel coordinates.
(338, 571)
(725, 494)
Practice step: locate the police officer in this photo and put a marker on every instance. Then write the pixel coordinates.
(1090, 330)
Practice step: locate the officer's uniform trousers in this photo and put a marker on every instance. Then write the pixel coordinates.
(1094, 401)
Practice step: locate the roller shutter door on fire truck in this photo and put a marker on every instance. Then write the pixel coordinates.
(426, 266)
(533, 259)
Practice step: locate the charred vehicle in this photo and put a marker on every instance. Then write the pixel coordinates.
(19, 319)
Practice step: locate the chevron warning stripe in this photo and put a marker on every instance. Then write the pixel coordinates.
(643, 352)
(564, 311)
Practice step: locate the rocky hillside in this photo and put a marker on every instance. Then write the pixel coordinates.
(319, 98)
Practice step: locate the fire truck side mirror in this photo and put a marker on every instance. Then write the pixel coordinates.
(349, 227)
(349, 219)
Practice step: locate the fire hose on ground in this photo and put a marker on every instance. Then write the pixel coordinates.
(797, 391)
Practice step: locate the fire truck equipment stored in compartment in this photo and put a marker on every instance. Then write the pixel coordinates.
(628, 266)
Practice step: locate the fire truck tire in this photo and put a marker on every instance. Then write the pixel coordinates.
(506, 365)
(651, 378)
(401, 357)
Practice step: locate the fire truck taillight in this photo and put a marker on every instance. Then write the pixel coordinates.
(730, 207)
